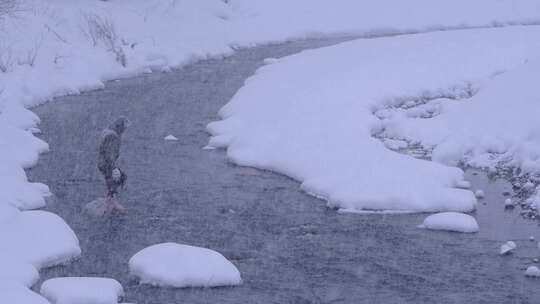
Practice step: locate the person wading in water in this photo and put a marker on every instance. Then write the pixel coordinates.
(109, 151)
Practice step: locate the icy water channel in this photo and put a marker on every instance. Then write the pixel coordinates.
(288, 246)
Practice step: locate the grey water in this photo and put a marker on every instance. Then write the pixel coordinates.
(289, 247)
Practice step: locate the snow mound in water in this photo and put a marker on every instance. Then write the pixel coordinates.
(451, 221)
(532, 271)
(177, 265)
(479, 194)
(12, 293)
(171, 137)
(507, 247)
(39, 238)
(81, 290)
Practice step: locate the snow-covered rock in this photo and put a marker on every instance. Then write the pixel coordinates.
(82, 290)
(479, 194)
(528, 186)
(464, 184)
(38, 237)
(97, 207)
(531, 238)
(177, 265)
(451, 221)
(507, 247)
(532, 271)
(508, 203)
(170, 137)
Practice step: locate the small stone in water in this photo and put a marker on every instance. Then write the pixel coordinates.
(170, 137)
(531, 238)
(507, 247)
(479, 194)
(532, 271)
(528, 186)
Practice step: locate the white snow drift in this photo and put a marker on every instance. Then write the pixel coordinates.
(310, 115)
(82, 290)
(13, 293)
(498, 124)
(17, 271)
(277, 19)
(30, 240)
(451, 221)
(39, 238)
(176, 265)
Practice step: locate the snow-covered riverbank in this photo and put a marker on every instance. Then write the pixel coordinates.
(312, 116)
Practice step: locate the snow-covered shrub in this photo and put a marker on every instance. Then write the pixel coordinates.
(101, 29)
(29, 57)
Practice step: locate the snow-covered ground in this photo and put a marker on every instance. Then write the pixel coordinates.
(313, 116)
(279, 19)
(57, 47)
(14, 293)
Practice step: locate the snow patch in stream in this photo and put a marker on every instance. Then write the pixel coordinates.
(451, 221)
(82, 290)
(177, 265)
(479, 194)
(532, 271)
(170, 137)
(507, 248)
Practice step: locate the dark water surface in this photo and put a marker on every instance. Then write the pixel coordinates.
(288, 246)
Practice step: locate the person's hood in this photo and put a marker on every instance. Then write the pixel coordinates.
(120, 125)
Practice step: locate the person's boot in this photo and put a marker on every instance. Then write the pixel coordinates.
(117, 205)
(108, 206)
